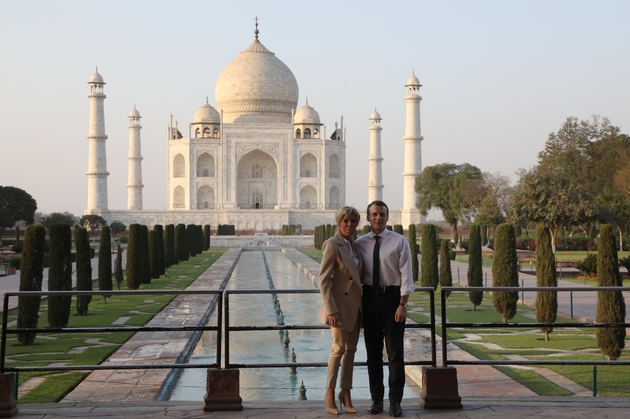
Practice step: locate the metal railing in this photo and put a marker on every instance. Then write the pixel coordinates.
(446, 325)
(229, 328)
(109, 329)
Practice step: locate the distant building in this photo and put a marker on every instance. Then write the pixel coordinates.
(253, 161)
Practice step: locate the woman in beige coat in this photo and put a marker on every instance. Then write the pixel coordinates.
(340, 285)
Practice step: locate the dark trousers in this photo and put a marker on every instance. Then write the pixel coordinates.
(378, 326)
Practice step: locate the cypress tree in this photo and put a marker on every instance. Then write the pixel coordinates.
(154, 251)
(31, 276)
(146, 259)
(366, 229)
(483, 229)
(134, 255)
(475, 265)
(206, 237)
(411, 237)
(546, 301)
(160, 234)
(105, 262)
(83, 269)
(611, 306)
(399, 229)
(446, 277)
(119, 268)
(199, 235)
(517, 230)
(190, 235)
(170, 258)
(180, 243)
(60, 275)
(505, 271)
(429, 267)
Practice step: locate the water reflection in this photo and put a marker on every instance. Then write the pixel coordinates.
(266, 346)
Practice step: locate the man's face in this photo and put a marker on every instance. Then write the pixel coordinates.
(377, 218)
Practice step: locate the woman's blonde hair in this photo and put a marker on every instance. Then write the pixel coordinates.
(344, 212)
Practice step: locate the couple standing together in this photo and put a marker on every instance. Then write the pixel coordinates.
(365, 283)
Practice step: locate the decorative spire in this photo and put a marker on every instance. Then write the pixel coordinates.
(256, 31)
(307, 100)
(207, 100)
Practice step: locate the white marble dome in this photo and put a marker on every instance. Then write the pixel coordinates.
(375, 115)
(207, 114)
(134, 113)
(307, 115)
(256, 87)
(96, 78)
(413, 81)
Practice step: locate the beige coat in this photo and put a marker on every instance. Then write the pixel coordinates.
(340, 282)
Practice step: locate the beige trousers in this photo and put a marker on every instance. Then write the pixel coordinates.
(344, 346)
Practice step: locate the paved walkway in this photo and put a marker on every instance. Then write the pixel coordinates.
(130, 394)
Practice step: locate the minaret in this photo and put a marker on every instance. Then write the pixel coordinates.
(134, 180)
(413, 143)
(97, 154)
(375, 176)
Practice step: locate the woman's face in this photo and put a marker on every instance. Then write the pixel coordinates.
(348, 225)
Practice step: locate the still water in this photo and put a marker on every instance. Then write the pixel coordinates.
(266, 346)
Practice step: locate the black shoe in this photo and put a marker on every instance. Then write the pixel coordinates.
(395, 410)
(376, 408)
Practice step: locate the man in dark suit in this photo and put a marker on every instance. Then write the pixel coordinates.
(387, 284)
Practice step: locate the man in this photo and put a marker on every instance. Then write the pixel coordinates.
(387, 284)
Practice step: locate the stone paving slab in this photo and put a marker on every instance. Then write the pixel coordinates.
(473, 408)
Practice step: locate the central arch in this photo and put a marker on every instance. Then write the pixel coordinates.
(257, 181)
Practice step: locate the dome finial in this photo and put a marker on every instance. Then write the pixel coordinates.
(207, 100)
(307, 100)
(256, 31)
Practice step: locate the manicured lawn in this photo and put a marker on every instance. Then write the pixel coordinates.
(94, 348)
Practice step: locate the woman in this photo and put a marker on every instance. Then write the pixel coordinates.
(340, 285)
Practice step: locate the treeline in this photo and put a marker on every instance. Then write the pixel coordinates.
(149, 254)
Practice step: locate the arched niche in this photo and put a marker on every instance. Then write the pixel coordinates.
(205, 197)
(205, 165)
(334, 167)
(179, 166)
(257, 171)
(308, 197)
(334, 197)
(308, 165)
(179, 197)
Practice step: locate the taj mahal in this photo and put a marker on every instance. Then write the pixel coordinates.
(254, 159)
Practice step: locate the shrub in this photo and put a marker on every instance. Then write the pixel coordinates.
(83, 268)
(505, 271)
(154, 254)
(446, 276)
(206, 237)
(119, 268)
(546, 301)
(588, 266)
(475, 264)
(134, 255)
(429, 267)
(60, 275)
(170, 258)
(181, 243)
(15, 261)
(146, 259)
(411, 237)
(105, 261)
(31, 276)
(159, 230)
(611, 306)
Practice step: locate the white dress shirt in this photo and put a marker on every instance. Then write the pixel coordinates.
(395, 260)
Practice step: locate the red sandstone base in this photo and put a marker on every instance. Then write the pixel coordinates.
(222, 391)
(8, 404)
(439, 388)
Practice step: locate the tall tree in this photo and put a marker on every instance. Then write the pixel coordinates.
(146, 258)
(83, 269)
(206, 237)
(117, 227)
(92, 222)
(190, 236)
(170, 257)
(495, 191)
(134, 257)
(542, 197)
(446, 277)
(411, 236)
(505, 271)
(446, 186)
(546, 301)
(475, 265)
(16, 205)
(59, 275)
(429, 275)
(59, 218)
(31, 276)
(105, 262)
(611, 306)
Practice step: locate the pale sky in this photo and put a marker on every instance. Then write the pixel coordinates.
(497, 76)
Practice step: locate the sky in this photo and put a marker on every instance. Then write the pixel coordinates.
(498, 77)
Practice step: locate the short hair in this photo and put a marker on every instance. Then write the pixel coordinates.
(344, 212)
(380, 204)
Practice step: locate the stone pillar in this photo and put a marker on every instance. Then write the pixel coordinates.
(439, 388)
(134, 179)
(97, 156)
(375, 173)
(413, 144)
(8, 404)
(222, 391)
